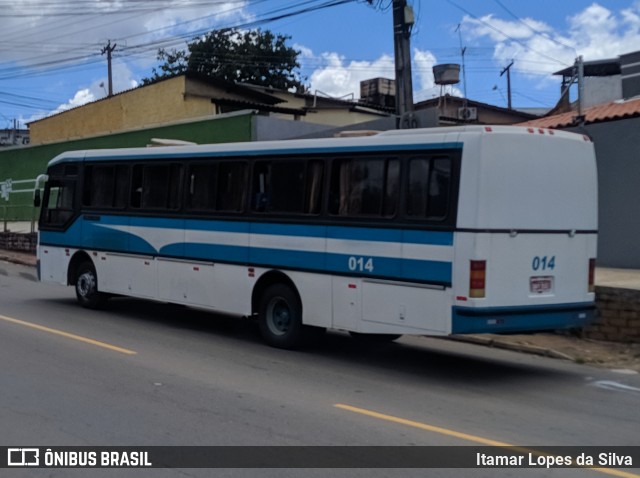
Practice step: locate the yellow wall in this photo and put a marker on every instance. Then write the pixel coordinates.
(160, 103)
(172, 101)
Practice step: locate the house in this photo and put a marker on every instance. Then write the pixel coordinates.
(192, 97)
(614, 127)
(14, 136)
(453, 110)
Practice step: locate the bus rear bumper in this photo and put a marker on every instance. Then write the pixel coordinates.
(499, 320)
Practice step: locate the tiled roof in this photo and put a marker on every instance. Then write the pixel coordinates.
(596, 114)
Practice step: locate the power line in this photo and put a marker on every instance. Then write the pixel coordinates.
(534, 30)
(515, 40)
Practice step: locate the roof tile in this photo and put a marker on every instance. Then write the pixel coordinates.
(596, 114)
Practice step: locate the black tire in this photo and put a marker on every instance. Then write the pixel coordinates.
(86, 285)
(375, 337)
(280, 317)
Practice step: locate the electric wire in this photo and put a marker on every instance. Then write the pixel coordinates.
(515, 40)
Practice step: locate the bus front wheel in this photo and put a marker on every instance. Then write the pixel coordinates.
(86, 285)
(280, 317)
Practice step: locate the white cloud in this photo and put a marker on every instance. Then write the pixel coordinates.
(338, 77)
(81, 97)
(594, 32)
(38, 31)
(123, 79)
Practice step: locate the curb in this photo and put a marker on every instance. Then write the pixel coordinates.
(17, 260)
(505, 345)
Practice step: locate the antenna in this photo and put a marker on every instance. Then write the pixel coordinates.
(463, 50)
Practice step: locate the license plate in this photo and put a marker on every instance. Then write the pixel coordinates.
(541, 285)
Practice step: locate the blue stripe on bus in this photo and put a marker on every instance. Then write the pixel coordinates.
(468, 320)
(438, 238)
(97, 235)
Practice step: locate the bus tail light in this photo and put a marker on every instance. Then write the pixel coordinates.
(592, 275)
(477, 279)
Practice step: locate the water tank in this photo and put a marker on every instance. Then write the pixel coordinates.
(447, 74)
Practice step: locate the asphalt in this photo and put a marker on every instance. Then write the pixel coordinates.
(548, 345)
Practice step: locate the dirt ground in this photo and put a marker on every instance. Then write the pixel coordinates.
(611, 355)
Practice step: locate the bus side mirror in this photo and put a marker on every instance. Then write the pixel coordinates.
(36, 198)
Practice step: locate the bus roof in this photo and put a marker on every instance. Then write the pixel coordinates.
(395, 140)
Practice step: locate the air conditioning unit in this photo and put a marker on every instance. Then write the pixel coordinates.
(467, 114)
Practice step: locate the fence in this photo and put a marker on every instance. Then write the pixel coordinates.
(19, 218)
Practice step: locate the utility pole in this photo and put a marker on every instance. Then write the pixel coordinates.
(109, 50)
(507, 69)
(402, 22)
(579, 67)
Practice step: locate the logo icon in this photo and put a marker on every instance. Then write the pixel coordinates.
(23, 457)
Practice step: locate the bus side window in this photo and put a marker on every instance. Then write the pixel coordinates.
(288, 186)
(365, 187)
(156, 186)
(262, 188)
(313, 189)
(429, 188)
(105, 186)
(58, 202)
(231, 189)
(202, 186)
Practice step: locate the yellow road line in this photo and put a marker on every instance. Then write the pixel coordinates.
(467, 437)
(61, 333)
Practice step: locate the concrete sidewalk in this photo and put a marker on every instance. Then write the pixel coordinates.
(18, 257)
(619, 278)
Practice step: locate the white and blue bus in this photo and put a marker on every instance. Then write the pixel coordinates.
(431, 232)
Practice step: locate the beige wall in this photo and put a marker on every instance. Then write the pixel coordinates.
(160, 103)
(171, 101)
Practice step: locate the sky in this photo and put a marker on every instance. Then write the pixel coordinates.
(51, 50)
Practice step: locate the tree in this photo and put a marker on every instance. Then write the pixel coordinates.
(252, 56)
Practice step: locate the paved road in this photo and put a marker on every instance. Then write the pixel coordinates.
(140, 373)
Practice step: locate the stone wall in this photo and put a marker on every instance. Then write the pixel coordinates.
(618, 315)
(14, 241)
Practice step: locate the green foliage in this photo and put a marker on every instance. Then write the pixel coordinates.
(251, 56)
(175, 63)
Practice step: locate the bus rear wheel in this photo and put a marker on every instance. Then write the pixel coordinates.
(86, 285)
(280, 317)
